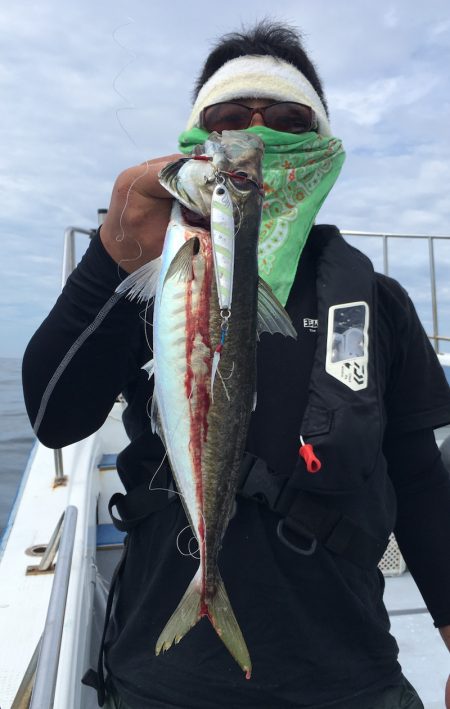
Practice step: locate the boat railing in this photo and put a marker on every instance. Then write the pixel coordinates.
(69, 254)
(39, 679)
(386, 237)
(69, 262)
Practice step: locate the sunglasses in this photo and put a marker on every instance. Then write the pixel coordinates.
(284, 116)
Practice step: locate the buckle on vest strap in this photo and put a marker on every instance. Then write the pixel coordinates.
(309, 551)
(258, 481)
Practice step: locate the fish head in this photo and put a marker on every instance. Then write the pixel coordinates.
(240, 152)
(233, 157)
(240, 166)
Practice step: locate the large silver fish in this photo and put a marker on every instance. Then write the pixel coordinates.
(209, 308)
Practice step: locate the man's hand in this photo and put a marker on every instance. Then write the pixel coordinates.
(134, 229)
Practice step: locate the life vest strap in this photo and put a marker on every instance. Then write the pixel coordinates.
(303, 514)
(307, 517)
(138, 504)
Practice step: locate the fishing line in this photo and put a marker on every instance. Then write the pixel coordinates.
(196, 553)
(156, 473)
(230, 374)
(183, 497)
(143, 316)
(224, 385)
(146, 322)
(180, 494)
(121, 236)
(188, 526)
(189, 551)
(129, 107)
(132, 58)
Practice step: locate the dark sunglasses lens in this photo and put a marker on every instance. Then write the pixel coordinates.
(226, 116)
(289, 117)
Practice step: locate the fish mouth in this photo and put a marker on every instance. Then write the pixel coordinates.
(239, 184)
(194, 219)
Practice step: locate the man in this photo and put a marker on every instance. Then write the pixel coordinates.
(303, 581)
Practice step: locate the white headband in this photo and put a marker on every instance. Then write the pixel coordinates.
(259, 77)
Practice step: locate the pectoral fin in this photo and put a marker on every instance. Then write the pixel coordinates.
(272, 317)
(142, 283)
(181, 265)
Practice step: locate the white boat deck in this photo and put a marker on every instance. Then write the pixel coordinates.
(24, 598)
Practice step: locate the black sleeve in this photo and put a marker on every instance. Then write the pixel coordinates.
(417, 394)
(73, 400)
(417, 399)
(422, 484)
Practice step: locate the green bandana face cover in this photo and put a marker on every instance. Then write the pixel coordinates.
(299, 172)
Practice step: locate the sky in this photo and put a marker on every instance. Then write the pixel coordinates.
(88, 89)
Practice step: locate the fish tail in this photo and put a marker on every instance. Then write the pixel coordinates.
(218, 609)
(185, 616)
(224, 622)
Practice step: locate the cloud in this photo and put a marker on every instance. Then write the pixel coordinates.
(368, 104)
(390, 18)
(91, 88)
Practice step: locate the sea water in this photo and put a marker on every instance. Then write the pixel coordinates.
(16, 435)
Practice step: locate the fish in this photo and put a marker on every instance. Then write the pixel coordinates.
(210, 307)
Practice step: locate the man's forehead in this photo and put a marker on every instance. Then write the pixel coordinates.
(254, 102)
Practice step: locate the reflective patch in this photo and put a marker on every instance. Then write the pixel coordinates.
(348, 344)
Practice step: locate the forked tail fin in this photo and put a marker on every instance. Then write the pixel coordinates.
(218, 609)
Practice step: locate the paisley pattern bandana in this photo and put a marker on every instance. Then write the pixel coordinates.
(299, 172)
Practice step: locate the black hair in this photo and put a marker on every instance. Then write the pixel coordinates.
(265, 38)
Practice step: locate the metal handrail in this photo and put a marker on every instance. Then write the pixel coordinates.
(69, 262)
(69, 258)
(68, 265)
(385, 236)
(53, 546)
(23, 695)
(47, 665)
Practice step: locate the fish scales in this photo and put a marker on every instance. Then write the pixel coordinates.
(229, 419)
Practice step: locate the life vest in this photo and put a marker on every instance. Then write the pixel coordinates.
(349, 504)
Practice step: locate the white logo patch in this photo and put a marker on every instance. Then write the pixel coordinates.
(310, 324)
(348, 344)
